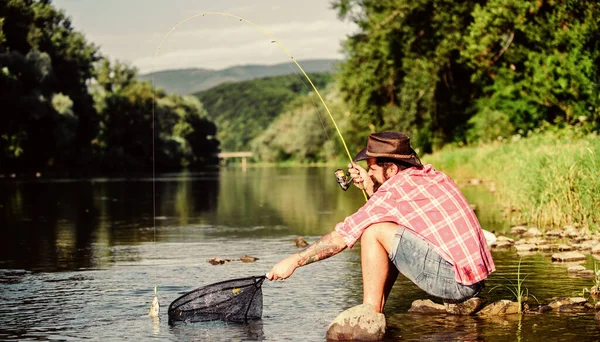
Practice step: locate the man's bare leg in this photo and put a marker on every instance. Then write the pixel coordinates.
(379, 274)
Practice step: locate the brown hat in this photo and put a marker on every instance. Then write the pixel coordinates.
(393, 145)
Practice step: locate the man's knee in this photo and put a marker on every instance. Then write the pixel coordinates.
(380, 232)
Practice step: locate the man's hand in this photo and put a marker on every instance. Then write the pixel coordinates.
(284, 268)
(360, 178)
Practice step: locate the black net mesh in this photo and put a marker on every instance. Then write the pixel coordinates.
(237, 300)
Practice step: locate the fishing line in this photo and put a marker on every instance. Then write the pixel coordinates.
(319, 114)
(273, 40)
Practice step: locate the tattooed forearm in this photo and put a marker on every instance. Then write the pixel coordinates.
(329, 245)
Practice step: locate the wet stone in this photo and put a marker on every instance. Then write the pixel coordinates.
(361, 322)
(500, 308)
(300, 242)
(576, 269)
(502, 244)
(558, 302)
(596, 249)
(466, 308)
(526, 248)
(532, 232)
(518, 230)
(567, 256)
(426, 306)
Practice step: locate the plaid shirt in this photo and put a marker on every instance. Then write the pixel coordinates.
(430, 204)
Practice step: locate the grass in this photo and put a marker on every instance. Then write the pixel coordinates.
(550, 178)
(519, 292)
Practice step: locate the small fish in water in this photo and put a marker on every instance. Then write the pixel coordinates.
(155, 308)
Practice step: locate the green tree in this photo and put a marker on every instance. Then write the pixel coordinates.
(536, 61)
(402, 70)
(42, 56)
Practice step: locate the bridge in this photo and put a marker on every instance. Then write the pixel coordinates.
(243, 155)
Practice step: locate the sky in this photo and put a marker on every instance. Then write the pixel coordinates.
(132, 30)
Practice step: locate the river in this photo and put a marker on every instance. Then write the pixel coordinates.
(80, 259)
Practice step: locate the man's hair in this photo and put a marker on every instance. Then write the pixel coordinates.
(385, 163)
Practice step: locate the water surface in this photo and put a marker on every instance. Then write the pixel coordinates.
(80, 259)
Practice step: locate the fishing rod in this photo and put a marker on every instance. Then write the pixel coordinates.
(342, 177)
(346, 179)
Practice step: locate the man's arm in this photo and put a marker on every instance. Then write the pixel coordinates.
(328, 245)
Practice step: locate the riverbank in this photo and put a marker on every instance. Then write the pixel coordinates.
(546, 180)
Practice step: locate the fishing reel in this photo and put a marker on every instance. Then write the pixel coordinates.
(343, 179)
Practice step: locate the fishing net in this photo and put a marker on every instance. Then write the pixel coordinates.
(237, 300)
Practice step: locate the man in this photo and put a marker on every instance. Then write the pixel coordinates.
(416, 222)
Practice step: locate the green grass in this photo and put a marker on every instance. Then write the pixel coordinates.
(550, 178)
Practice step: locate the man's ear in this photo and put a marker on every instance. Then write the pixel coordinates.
(392, 170)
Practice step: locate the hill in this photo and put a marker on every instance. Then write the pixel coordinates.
(188, 81)
(243, 110)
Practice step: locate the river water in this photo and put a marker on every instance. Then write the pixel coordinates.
(80, 258)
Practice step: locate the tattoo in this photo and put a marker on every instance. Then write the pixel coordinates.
(322, 249)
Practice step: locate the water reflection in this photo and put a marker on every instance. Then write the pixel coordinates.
(60, 224)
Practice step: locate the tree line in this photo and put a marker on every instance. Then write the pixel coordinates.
(66, 107)
(445, 72)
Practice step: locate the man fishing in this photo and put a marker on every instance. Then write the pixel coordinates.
(416, 222)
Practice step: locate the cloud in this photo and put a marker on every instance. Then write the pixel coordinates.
(217, 48)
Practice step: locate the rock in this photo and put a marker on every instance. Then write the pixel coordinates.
(546, 248)
(466, 308)
(597, 317)
(532, 232)
(586, 273)
(596, 249)
(500, 308)
(490, 237)
(545, 308)
(576, 269)
(518, 230)
(558, 302)
(361, 322)
(246, 258)
(597, 306)
(564, 248)
(568, 256)
(300, 242)
(526, 248)
(573, 308)
(218, 261)
(501, 244)
(505, 238)
(554, 233)
(426, 307)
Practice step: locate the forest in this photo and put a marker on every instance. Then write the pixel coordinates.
(448, 73)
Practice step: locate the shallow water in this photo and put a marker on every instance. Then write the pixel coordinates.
(80, 259)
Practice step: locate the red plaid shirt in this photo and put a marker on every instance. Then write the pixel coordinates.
(430, 204)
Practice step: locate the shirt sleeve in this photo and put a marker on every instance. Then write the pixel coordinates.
(378, 209)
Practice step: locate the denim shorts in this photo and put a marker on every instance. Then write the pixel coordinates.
(420, 263)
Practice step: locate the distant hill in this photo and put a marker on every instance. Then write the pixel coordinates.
(188, 81)
(243, 110)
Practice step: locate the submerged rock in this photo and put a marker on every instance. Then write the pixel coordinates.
(559, 302)
(568, 256)
(300, 242)
(466, 308)
(218, 261)
(247, 258)
(361, 322)
(426, 306)
(500, 308)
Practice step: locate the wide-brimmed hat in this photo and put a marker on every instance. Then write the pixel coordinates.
(393, 145)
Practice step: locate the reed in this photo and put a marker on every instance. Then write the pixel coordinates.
(550, 178)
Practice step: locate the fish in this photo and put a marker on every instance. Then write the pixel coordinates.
(155, 308)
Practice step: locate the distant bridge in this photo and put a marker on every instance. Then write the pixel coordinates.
(243, 155)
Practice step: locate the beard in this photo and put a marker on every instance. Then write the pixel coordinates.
(377, 184)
